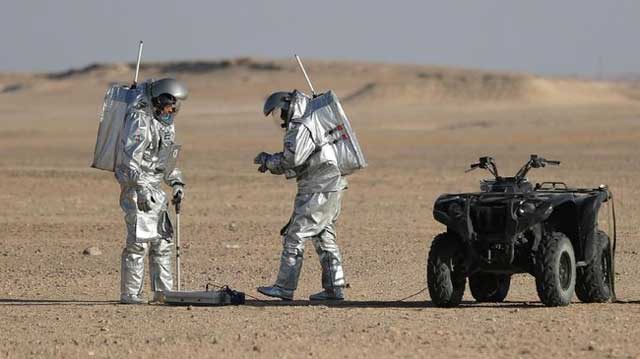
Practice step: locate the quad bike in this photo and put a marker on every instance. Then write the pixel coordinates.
(549, 230)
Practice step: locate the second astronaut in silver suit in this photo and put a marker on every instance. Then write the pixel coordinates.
(317, 203)
(148, 133)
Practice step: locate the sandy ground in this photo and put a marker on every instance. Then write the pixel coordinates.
(420, 128)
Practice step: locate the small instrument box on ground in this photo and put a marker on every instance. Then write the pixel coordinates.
(224, 296)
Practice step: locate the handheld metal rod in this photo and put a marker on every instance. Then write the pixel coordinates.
(177, 204)
(135, 79)
(313, 91)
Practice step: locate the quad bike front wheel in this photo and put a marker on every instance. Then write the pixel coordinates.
(556, 270)
(489, 287)
(445, 275)
(593, 284)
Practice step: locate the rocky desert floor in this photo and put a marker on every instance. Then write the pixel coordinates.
(420, 128)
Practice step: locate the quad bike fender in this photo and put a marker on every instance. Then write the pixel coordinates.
(454, 212)
(588, 225)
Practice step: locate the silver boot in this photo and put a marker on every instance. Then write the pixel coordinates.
(328, 294)
(131, 299)
(276, 292)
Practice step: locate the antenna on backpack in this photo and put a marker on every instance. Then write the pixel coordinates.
(313, 91)
(135, 78)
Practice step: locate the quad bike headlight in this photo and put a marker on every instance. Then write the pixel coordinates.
(525, 208)
(455, 210)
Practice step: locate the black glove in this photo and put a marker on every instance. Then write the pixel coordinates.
(178, 193)
(261, 159)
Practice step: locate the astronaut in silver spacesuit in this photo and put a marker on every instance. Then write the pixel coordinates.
(317, 203)
(146, 138)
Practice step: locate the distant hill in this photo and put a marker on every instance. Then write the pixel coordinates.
(357, 82)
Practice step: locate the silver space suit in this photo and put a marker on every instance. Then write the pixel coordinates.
(140, 170)
(317, 203)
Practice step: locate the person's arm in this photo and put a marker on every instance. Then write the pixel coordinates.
(177, 184)
(135, 141)
(173, 179)
(298, 146)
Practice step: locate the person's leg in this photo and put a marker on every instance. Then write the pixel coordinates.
(290, 262)
(132, 272)
(304, 224)
(329, 253)
(160, 266)
(330, 258)
(133, 254)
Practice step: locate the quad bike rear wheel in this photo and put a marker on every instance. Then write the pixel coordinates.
(489, 287)
(593, 284)
(555, 270)
(445, 275)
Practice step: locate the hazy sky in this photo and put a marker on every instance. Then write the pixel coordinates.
(541, 36)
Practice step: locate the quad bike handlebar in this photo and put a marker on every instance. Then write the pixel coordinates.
(486, 163)
(535, 161)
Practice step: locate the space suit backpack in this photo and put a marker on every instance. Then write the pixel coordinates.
(335, 130)
(117, 101)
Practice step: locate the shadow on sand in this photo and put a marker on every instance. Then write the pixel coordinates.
(411, 304)
(14, 302)
(385, 304)
(381, 304)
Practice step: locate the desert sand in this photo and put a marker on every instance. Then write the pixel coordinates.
(419, 126)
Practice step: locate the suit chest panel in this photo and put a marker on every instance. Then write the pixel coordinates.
(161, 136)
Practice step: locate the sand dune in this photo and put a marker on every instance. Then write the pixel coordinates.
(362, 82)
